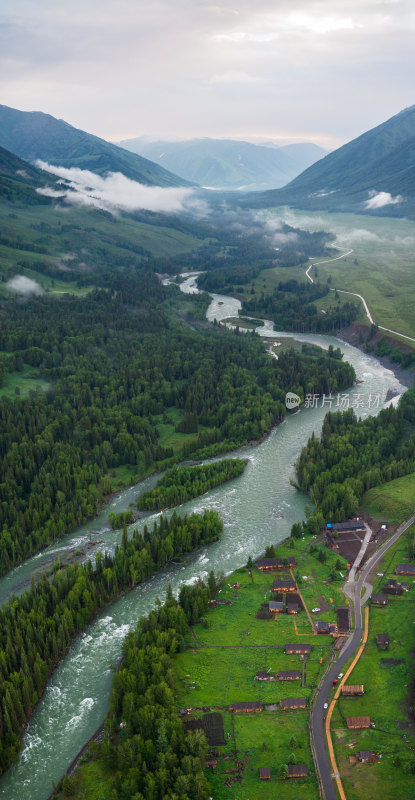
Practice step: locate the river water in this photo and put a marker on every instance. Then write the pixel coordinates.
(258, 508)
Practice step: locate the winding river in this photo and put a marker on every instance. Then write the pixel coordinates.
(257, 508)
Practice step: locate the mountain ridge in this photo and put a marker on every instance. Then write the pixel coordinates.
(34, 135)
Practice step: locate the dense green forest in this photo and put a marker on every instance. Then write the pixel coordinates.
(352, 456)
(146, 750)
(292, 307)
(115, 360)
(37, 628)
(180, 484)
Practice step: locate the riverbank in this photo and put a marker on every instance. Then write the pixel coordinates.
(353, 335)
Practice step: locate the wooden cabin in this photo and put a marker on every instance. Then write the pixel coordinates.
(284, 586)
(379, 600)
(264, 676)
(322, 627)
(304, 649)
(247, 708)
(292, 703)
(365, 755)
(275, 606)
(353, 690)
(289, 675)
(275, 563)
(297, 771)
(292, 607)
(405, 569)
(264, 774)
(358, 723)
(383, 641)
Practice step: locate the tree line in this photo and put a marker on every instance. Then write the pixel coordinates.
(37, 628)
(180, 484)
(352, 456)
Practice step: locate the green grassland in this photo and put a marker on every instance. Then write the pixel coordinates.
(394, 501)
(230, 645)
(21, 384)
(381, 267)
(36, 238)
(388, 698)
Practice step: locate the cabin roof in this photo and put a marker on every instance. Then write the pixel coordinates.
(358, 722)
(281, 584)
(287, 674)
(246, 706)
(379, 598)
(352, 688)
(297, 770)
(298, 647)
(293, 702)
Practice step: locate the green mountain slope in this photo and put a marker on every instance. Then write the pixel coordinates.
(34, 135)
(228, 164)
(64, 247)
(381, 160)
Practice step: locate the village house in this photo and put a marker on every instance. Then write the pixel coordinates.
(284, 586)
(405, 569)
(395, 587)
(276, 563)
(358, 723)
(379, 600)
(292, 607)
(264, 676)
(292, 703)
(322, 627)
(264, 774)
(298, 648)
(289, 675)
(352, 690)
(365, 755)
(351, 526)
(247, 708)
(383, 641)
(297, 771)
(275, 606)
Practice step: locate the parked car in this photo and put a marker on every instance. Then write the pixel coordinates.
(335, 682)
(326, 705)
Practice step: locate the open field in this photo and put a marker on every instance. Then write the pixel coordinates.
(22, 383)
(381, 267)
(388, 679)
(394, 501)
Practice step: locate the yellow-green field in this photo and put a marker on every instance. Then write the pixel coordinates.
(394, 501)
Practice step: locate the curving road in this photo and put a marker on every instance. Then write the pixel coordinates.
(353, 590)
(355, 294)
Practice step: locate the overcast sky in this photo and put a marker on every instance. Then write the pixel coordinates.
(283, 69)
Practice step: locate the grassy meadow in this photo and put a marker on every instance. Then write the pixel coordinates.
(21, 384)
(394, 501)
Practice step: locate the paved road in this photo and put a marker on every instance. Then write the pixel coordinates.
(353, 590)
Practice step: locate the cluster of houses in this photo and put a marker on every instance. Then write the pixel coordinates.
(394, 587)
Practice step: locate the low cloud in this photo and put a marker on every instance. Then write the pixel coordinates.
(357, 235)
(380, 199)
(116, 192)
(23, 285)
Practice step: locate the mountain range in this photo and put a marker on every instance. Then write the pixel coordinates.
(33, 135)
(374, 173)
(228, 164)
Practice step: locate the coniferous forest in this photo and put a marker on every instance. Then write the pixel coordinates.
(113, 360)
(180, 484)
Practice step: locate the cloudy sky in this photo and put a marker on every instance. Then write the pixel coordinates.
(290, 70)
